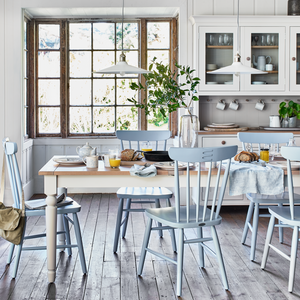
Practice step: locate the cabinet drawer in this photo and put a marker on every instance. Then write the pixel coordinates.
(221, 141)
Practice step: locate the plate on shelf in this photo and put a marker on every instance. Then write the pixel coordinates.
(211, 82)
(65, 160)
(223, 124)
(228, 82)
(282, 128)
(258, 82)
(169, 166)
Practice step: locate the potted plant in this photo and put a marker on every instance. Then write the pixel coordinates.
(289, 113)
(167, 91)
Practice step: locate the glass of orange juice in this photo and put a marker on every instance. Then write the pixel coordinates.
(146, 146)
(264, 153)
(114, 159)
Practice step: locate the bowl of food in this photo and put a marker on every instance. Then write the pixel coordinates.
(157, 156)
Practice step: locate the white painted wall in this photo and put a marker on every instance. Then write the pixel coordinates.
(11, 57)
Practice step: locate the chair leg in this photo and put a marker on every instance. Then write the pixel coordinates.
(268, 242)
(79, 243)
(18, 252)
(67, 233)
(126, 217)
(172, 231)
(157, 205)
(144, 246)
(254, 231)
(200, 248)
(294, 248)
(11, 252)
(248, 219)
(118, 225)
(180, 261)
(280, 228)
(219, 257)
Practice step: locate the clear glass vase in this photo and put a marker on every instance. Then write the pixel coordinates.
(188, 131)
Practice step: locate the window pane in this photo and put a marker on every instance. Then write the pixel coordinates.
(124, 92)
(80, 119)
(104, 119)
(104, 36)
(80, 63)
(49, 37)
(162, 56)
(104, 91)
(49, 64)
(49, 92)
(25, 35)
(80, 36)
(49, 120)
(25, 63)
(158, 35)
(102, 60)
(157, 122)
(130, 36)
(80, 92)
(25, 121)
(127, 118)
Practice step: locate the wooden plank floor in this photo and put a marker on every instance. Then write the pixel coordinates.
(113, 276)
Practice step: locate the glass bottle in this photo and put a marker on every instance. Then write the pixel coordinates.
(292, 143)
(188, 130)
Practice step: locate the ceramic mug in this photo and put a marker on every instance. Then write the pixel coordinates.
(221, 105)
(105, 158)
(269, 67)
(91, 161)
(234, 105)
(274, 121)
(260, 105)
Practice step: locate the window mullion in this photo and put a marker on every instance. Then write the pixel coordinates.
(143, 55)
(63, 80)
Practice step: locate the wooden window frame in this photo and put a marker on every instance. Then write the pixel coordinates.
(64, 76)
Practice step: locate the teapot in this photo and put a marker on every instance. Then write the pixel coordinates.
(86, 150)
(261, 62)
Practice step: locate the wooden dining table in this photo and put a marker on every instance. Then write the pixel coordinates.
(79, 176)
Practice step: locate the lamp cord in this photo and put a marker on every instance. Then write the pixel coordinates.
(238, 27)
(122, 24)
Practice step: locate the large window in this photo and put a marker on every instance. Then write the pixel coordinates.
(72, 100)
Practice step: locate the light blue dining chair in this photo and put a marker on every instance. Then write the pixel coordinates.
(254, 141)
(141, 195)
(10, 150)
(191, 216)
(289, 215)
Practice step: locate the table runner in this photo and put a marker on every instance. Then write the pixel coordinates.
(254, 178)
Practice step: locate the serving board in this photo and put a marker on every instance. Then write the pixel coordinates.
(229, 129)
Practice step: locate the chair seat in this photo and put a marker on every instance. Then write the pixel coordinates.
(73, 207)
(144, 192)
(283, 214)
(280, 198)
(167, 216)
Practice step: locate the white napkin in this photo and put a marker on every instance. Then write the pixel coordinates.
(141, 171)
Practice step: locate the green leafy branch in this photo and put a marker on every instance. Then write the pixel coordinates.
(166, 93)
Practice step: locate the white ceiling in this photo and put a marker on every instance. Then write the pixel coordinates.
(103, 12)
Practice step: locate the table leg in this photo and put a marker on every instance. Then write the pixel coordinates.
(51, 219)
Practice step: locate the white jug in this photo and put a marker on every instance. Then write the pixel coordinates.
(261, 62)
(274, 121)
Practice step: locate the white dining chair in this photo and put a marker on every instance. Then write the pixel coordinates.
(140, 195)
(259, 201)
(289, 215)
(191, 216)
(10, 150)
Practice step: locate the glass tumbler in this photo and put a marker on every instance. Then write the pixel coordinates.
(264, 153)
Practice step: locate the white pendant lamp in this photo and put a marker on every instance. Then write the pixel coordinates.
(237, 67)
(122, 66)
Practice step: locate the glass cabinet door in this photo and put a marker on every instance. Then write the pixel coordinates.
(217, 47)
(294, 59)
(264, 50)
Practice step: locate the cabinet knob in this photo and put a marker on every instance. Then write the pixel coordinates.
(293, 58)
(223, 142)
(248, 58)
